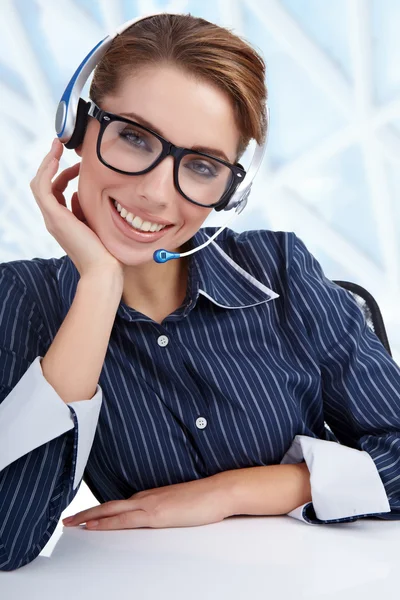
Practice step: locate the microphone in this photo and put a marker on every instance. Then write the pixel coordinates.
(162, 256)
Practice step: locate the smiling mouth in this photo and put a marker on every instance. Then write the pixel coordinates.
(137, 223)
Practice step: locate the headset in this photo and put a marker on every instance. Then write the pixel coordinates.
(72, 118)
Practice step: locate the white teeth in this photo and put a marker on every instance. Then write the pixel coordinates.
(137, 222)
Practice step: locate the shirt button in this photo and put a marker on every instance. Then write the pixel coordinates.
(162, 341)
(201, 423)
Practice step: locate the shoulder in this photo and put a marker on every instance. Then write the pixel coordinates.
(35, 279)
(27, 271)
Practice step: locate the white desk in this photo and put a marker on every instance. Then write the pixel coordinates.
(244, 558)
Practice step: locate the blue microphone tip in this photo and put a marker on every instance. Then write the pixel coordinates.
(162, 256)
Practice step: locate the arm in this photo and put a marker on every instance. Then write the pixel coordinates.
(81, 342)
(268, 490)
(42, 457)
(360, 475)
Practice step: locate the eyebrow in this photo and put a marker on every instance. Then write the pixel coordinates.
(207, 150)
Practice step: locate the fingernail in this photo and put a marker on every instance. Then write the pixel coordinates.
(54, 143)
(67, 520)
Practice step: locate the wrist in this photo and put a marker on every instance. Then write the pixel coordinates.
(104, 287)
(111, 276)
(227, 486)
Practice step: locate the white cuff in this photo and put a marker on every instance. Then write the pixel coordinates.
(344, 481)
(87, 414)
(33, 414)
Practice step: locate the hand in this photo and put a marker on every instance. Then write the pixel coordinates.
(197, 502)
(69, 228)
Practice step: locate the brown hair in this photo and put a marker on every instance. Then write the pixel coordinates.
(200, 48)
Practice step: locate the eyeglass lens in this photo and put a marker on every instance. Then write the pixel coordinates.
(132, 149)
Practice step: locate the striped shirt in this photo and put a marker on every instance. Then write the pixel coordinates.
(266, 362)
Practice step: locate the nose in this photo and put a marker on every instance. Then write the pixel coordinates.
(157, 186)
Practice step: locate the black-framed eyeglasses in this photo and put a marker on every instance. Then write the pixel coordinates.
(132, 149)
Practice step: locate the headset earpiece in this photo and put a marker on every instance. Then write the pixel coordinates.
(80, 125)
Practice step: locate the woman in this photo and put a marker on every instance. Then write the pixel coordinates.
(197, 389)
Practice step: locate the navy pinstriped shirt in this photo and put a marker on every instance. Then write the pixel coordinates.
(264, 348)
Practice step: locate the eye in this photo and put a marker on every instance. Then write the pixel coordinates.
(203, 168)
(136, 139)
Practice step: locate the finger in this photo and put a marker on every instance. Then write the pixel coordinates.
(55, 152)
(41, 188)
(126, 520)
(107, 509)
(41, 184)
(61, 182)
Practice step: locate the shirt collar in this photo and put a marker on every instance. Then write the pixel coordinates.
(212, 273)
(221, 279)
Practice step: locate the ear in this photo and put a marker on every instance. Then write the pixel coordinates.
(78, 150)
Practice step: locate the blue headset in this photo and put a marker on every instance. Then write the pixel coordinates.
(72, 117)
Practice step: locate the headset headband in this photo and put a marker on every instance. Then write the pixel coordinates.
(72, 113)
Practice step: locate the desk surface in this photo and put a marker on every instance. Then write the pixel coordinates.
(244, 558)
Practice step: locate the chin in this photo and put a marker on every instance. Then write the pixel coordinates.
(130, 257)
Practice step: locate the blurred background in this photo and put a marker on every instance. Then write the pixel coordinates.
(332, 167)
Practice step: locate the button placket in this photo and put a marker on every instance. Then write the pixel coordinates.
(201, 422)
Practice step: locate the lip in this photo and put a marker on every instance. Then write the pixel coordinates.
(145, 216)
(132, 233)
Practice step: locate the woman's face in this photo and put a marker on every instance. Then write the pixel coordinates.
(184, 111)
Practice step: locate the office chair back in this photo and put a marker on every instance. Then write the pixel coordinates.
(370, 308)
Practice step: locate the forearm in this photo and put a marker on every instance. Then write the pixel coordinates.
(73, 363)
(269, 490)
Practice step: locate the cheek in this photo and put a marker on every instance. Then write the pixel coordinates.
(93, 179)
(194, 212)
(202, 213)
(84, 189)
(90, 198)
(195, 216)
